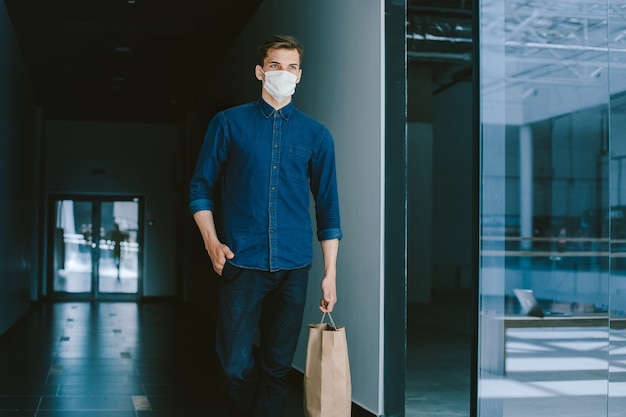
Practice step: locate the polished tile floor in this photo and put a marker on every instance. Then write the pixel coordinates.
(108, 359)
(438, 357)
(80, 359)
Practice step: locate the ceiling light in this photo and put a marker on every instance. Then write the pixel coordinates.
(123, 49)
(596, 73)
(529, 92)
(118, 82)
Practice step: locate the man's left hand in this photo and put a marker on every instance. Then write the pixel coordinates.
(329, 289)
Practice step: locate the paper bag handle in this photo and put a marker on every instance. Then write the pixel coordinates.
(332, 322)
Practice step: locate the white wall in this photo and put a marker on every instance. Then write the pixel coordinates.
(342, 86)
(139, 159)
(19, 151)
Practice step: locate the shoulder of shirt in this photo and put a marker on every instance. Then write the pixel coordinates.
(239, 108)
(231, 114)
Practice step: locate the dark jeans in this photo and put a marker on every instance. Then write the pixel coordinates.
(273, 303)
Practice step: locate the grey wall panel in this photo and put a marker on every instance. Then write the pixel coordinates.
(18, 179)
(419, 212)
(343, 87)
(452, 188)
(395, 217)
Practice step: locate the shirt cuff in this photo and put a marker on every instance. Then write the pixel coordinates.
(329, 234)
(199, 205)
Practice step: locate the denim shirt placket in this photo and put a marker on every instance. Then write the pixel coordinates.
(273, 197)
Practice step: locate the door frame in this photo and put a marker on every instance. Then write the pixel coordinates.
(94, 294)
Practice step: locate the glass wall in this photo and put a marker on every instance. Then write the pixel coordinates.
(552, 338)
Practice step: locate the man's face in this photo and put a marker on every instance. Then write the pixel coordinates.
(280, 59)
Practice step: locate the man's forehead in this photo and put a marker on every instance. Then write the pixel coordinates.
(283, 56)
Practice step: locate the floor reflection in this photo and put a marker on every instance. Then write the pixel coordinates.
(555, 371)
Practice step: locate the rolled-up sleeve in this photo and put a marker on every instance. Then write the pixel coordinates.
(324, 190)
(213, 154)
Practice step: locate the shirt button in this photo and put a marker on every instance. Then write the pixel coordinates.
(273, 188)
(274, 167)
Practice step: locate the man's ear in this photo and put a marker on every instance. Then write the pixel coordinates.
(258, 72)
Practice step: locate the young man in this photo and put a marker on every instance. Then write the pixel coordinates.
(265, 157)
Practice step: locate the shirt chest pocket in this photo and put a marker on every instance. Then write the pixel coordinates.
(300, 152)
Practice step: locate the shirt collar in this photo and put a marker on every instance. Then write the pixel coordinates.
(268, 110)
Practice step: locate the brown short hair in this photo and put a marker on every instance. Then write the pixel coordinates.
(279, 42)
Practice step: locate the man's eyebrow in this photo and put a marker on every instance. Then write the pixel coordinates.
(276, 62)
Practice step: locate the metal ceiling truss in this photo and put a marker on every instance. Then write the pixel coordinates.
(559, 42)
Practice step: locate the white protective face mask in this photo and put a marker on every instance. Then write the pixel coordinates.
(280, 84)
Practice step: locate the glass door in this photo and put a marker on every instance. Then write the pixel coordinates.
(72, 247)
(118, 266)
(96, 248)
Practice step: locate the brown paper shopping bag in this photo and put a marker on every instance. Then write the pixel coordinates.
(327, 384)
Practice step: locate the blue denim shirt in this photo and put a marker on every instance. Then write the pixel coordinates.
(267, 163)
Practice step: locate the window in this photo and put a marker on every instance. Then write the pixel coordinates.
(552, 208)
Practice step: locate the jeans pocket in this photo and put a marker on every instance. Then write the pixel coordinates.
(230, 272)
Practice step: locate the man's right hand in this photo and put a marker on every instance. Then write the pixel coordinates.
(219, 252)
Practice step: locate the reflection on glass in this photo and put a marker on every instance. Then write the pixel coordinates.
(118, 269)
(553, 208)
(617, 195)
(72, 247)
